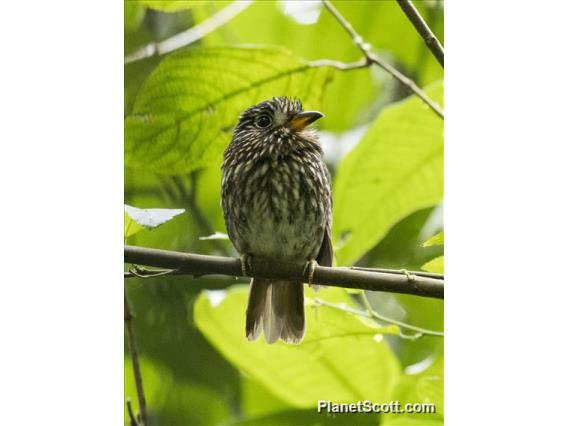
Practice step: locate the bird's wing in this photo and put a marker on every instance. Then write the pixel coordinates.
(325, 255)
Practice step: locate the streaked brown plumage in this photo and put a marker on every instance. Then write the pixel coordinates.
(276, 199)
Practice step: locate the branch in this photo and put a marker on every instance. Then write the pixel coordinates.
(422, 27)
(143, 421)
(191, 35)
(402, 282)
(372, 58)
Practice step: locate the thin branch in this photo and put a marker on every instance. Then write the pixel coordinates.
(143, 420)
(422, 27)
(342, 66)
(131, 416)
(372, 58)
(197, 264)
(420, 332)
(191, 35)
(140, 272)
(380, 317)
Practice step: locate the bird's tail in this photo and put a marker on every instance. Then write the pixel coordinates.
(277, 307)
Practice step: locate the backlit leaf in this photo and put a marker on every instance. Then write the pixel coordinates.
(184, 114)
(436, 240)
(396, 169)
(365, 369)
(436, 265)
(171, 5)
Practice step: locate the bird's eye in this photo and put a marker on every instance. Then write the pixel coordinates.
(264, 121)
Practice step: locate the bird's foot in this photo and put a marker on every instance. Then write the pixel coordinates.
(310, 269)
(246, 264)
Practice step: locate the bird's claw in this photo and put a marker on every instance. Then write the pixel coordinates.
(246, 264)
(310, 269)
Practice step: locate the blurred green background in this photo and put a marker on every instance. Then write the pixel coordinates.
(384, 149)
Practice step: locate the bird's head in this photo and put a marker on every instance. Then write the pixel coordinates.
(276, 121)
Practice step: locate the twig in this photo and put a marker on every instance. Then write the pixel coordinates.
(368, 314)
(380, 317)
(372, 58)
(197, 264)
(137, 271)
(191, 35)
(342, 66)
(422, 27)
(131, 416)
(135, 361)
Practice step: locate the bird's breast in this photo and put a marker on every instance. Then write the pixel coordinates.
(279, 204)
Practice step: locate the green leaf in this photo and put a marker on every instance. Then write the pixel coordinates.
(436, 265)
(396, 169)
(183, 116)
(436, 240)
(256, 400)
(130, 226)
(353, 97)
(426, 387)
(167, 397)
(300, 375)
(171, 5)
(309, 417)
(133, 15)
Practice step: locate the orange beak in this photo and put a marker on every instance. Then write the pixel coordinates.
(301, 120)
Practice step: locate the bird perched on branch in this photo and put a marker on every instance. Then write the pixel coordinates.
(276, 199)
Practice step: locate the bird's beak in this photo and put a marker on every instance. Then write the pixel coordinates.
(301, 120)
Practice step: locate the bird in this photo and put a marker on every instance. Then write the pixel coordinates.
(277, 205)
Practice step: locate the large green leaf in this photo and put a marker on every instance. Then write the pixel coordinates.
(171, 5)
(256, 400)
(183, 116)
(396, 169)
(435, 265)
(170, 400)
(426, 387)
(133, 15)
(342, 358)
(307, 417)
